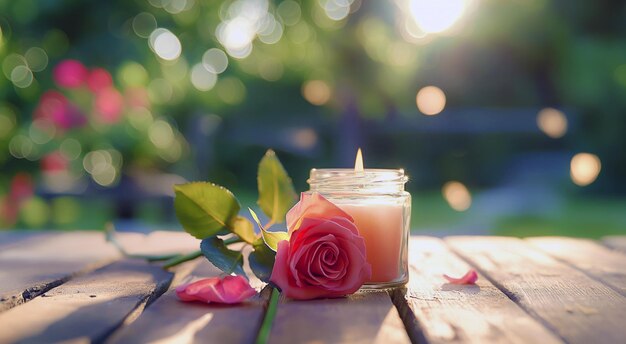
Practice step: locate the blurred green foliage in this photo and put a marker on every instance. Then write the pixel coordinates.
(340, 71)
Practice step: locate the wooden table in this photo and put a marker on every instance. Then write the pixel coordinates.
(76, 287)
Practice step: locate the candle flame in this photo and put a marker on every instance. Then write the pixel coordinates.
(358, 163)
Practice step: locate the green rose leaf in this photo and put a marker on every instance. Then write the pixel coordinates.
(271, 239)
(218, 254)
(244, 229)
(205, 209)
(262, 260)
(276, 192)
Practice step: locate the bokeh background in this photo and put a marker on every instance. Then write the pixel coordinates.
(508, 115)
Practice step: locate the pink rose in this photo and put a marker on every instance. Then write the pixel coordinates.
(230, 289)
(325, 255)
(313, 206)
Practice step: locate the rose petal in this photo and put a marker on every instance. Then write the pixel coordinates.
(470, 277)
(313, 206)
(228, 290)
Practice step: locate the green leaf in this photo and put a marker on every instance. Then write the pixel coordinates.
(219, 255)
(205, 209)
(244, 229)
(262, 260)
(276, 192)
(271, 239)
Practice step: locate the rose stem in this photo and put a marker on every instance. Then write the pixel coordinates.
(181, 259)
(270, 314)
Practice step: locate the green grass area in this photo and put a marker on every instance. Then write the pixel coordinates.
(579, 217)
(589, 218)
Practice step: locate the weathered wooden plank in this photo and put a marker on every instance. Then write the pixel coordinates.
(588, 256)
(11, 237)
(87, 308)
(366, 317)
(169, 320)
(158, 242)
(450, 313)
(33, 266)
(29, 269)
(616, 242)
(578, 308)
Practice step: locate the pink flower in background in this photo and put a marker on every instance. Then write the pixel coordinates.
(470, 277)
(70, 74)
(325, 255)
(22, 187)
(228, 290)
(109, 104)
(99, 79)
(54, 162)
(57, 108)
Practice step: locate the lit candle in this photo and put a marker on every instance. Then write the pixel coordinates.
(376, 200)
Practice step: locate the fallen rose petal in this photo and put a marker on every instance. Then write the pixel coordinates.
(227, 290)
(470, 277)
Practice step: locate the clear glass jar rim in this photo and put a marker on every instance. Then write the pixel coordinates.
(350, 176)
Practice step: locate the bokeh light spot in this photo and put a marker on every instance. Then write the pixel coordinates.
(35, 212)
(201, 78)
(161, 134)
(7, 121)
(21, 76)
(552, 122)
(215, 60)
(132, 74)
(431, 100)
(36, 58)
(143, 24)
(165, 44)
(457, 195)
(41, 131)
(305, 138)
(65, 210)
(585, 168)
(289, 12)
(231, 90)
(316, 92)
(71, 149)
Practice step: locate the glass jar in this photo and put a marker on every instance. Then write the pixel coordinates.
(381, 209)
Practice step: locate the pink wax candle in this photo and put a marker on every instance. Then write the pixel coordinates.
(376, 200)
(382, 227)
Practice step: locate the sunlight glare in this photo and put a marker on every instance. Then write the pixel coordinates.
(434, 16)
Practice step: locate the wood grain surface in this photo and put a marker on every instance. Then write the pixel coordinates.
(576, 307)
(368, 317)
(87, 308)
(169, 320)
(448, 313)
(603, 264)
